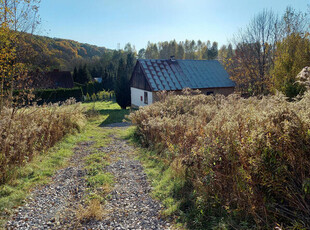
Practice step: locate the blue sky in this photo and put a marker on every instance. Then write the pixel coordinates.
(109, 22)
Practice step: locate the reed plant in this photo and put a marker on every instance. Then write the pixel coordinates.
(249, 158)
(28, 131)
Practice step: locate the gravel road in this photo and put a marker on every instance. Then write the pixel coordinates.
(129, 205)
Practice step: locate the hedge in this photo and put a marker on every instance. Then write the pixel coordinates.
(57, 95)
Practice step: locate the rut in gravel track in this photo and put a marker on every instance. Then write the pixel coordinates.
(130, 205)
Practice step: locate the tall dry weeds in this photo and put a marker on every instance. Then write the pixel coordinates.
(28, 131)
(248, 156)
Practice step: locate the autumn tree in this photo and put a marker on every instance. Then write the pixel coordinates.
(225, 53)
(292, 52)
(15, 16)
(254, 54)
(292, 55)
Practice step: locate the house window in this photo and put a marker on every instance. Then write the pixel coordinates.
(210, 93)
(146, 101)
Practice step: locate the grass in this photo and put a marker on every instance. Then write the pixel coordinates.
(93, 211)
(43, 166)
(98, 181)
(109, 112)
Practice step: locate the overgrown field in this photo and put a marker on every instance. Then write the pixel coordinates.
(28, 131)
(230, 162)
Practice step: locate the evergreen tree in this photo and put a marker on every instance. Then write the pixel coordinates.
(94, 73)
(83, 76)
(75, 74)
(213, 51)
(130, 64)
(122, 87)
(87, 76)
(108, 80)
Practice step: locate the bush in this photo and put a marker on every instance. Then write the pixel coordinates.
(248, 158)
(105, 95)
(30, 130)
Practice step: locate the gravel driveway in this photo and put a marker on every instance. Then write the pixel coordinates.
(130, 205)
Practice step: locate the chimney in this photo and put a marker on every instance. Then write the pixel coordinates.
(172, 58)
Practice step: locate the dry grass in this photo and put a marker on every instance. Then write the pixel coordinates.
(28, 131)
(249, 157)
(93, 211)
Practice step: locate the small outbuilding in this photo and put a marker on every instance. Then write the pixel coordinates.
(152, 75)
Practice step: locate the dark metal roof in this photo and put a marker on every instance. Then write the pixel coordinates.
(61, 79)
(180, 74)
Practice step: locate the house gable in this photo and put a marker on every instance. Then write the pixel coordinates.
(138, 79)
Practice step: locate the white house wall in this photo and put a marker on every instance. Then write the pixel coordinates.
(136, 95)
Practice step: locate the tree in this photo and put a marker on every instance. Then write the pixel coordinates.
(130, 64)
(15, 15)
(291, 56)
(75, 74)
(151, 51)
(83, 76)
(108, 80)
(141, 54)
(213, 51)
(250, 67)
(180, 51)
(292, 52)
(129, 49)
(122, 87)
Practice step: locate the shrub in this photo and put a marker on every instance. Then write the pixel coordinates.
(105, 95)
(30, 130)
(249, 158)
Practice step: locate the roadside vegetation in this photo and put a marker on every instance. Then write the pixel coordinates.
(229, 162)
(65, 127)
(29, 131)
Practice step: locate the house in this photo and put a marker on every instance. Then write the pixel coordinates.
(49, 80)
(60, 79)
(98, 79)
(150, 76)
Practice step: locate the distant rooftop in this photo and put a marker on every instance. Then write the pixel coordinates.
(170, 74)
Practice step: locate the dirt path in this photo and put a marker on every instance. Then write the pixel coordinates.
(129, 205)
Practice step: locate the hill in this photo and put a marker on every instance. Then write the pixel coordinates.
(45, 52)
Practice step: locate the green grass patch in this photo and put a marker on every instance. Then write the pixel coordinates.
(99, 182)
(108, 112)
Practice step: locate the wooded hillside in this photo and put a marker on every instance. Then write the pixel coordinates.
(51, 53)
